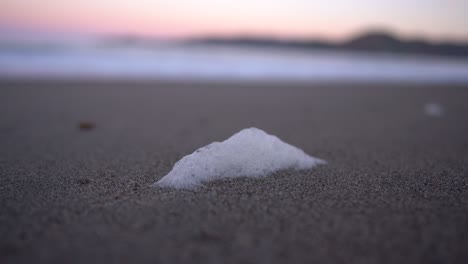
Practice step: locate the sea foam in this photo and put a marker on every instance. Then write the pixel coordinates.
(433, 109)
(248, 153)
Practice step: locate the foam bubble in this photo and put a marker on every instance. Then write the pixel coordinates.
(433, 109)
(248, 153)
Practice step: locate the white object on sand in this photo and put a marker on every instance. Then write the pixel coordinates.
(433, 109)
(248, 153)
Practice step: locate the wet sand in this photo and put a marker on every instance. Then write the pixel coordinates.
(77, 160)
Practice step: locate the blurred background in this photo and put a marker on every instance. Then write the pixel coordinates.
(375, 40)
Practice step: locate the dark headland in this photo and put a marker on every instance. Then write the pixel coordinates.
(373, 41)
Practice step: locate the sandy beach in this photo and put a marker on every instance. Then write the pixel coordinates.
(395, 189)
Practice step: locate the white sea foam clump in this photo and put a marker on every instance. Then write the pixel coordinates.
(248, 153)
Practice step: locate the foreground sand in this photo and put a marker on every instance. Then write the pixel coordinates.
(395, 189)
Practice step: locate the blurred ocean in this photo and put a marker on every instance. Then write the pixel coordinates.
(182, 61)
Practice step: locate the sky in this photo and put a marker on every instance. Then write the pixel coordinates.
(331, 19)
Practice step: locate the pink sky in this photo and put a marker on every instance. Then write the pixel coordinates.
(334, 19)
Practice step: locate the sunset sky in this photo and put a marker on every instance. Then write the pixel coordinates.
(332, 19)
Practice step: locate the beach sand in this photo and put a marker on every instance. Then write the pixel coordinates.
(77, 160)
